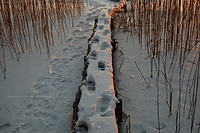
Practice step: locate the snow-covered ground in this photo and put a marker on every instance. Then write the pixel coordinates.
(38, 94)
(98, 102)
(140, 99)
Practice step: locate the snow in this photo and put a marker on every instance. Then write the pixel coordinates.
(140, 99)
(98, 102)
(38, 94)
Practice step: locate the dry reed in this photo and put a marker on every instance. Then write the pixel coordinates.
(169, 31)
(27, 25)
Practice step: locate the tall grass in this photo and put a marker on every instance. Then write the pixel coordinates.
(169, 31)
(27, 25)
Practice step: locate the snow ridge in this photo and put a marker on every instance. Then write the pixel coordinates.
(98, 102)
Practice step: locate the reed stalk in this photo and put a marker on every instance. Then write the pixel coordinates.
(29, 25)
(169, 31)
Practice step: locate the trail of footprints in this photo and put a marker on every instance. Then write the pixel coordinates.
(42, 104)
(98, 44)
(47, 89)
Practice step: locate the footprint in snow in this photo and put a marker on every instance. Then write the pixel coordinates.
(51, 122)
(4, 126)
(106, 21)
(66, 51)
(40, 82)
(76, 33)
(90, 83)
(50, 126)
(101, 65)
(79, 48)
(95, 16)
(26, 126)
(37, 113)
(96, 39)
(82, 126)
(95, 12)
(57, 80)
(57, 66)
(106, 32)
(74, 57)
(57, 61)
(103, 15)
(81, 23)
(105, 45)
(92, 9)
(87, 26)
(101, 27)
(42, 88)
(82, 37)
(89, 14)
(90, 19)
(40, 108)
(103, 104)
(61, 83)
(40, 85)
(70, 51)
(30, 106)
(93, 55)
(55, 70)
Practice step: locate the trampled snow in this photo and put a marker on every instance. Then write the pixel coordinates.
(98, 102)
(38, 94)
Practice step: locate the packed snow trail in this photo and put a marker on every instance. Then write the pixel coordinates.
(48, 108)
(95, 102)
(98, 102)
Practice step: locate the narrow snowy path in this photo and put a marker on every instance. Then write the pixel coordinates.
(48, 107)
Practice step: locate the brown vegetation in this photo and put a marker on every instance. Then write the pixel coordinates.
(169, 31)
(27, 25)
